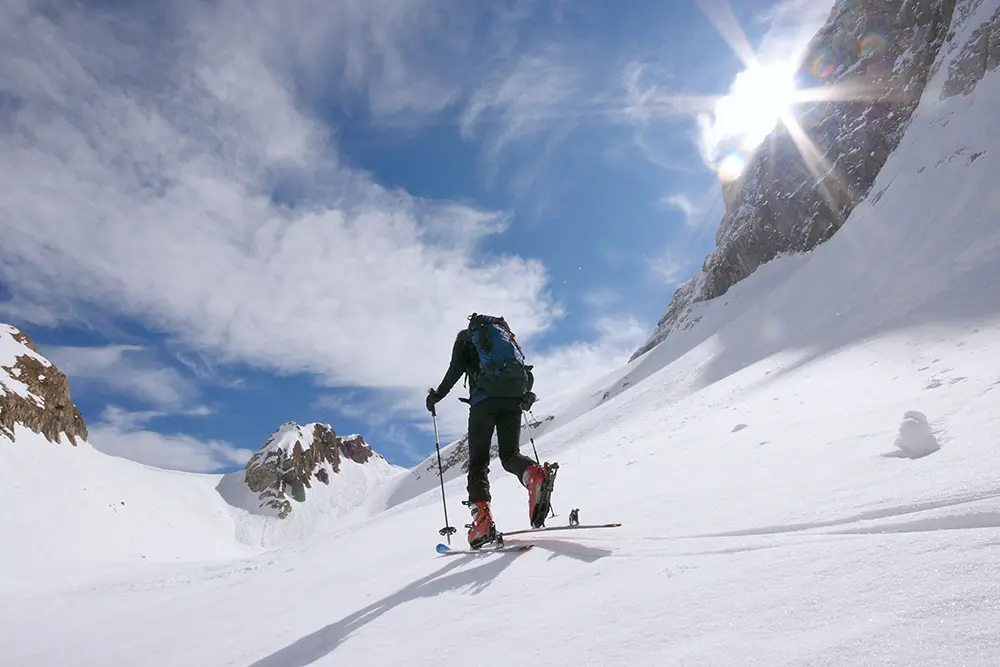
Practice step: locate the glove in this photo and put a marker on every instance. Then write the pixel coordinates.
(432, 399)
(528, 400)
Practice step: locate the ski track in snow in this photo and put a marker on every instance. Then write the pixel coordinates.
(769, 518)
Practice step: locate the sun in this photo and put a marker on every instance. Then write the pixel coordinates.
(763, 95)
(759, 97)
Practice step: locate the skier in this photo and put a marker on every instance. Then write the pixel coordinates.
(499, 389)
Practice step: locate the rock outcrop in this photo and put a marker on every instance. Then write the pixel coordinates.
(875, 58)
(977, 56)
(34, 393)
(295, 456)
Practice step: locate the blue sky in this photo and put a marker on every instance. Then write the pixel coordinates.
(220, 216)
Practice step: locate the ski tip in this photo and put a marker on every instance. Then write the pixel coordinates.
(443, 548)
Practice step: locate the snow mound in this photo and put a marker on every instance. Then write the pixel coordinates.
(915, 436)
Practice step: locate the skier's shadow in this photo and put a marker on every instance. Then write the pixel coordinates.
(573, 550)
(324, 641)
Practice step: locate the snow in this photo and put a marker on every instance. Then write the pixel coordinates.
(916, 437)
(802, 537)
(287, 435)
(10, 350)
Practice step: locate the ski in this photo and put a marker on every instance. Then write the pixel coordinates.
(545, 529)
(445, 550)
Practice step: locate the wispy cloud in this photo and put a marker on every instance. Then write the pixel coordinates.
(538, 92)
(347, 405)
(682, 203)
(126, 369)
(791, 26)
(700, 208)
(666, 268)
(602, 298)
(649, 95)
(122, 433)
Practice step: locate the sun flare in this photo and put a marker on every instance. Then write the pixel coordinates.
(760, 96)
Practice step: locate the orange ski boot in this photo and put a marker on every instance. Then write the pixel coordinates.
(482, 530)
(539, 480)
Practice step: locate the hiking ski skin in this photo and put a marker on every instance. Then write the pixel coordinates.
(445, 550)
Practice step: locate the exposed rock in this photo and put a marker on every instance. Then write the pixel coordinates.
(355, 448)
(796, 194)
(296, 455)
(977, 57)
(33, 392)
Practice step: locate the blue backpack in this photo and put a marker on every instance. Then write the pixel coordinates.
(502, 372)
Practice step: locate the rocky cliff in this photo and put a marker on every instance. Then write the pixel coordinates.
(874, 58)
(34, 393)
(295, 457)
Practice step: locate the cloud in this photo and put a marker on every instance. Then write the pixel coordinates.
(682, 203)
(602, 298)
(571, 366)
(126, 369)
(414, 453)
(149, 187)
(375, 410)
(647, 96)
(398, 61)
(700, 208)
(121, 433)
(666, 268)
(536, 92)
(791, 26)
(347, 405)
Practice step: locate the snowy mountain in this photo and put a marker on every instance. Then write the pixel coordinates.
(342, 470)
(77, 512)
(805, 471)
(875, 58)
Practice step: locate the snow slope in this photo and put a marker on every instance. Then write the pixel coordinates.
(70, 512)
(769, 516)
(74, 513)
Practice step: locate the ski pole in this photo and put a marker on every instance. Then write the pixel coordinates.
(448, 530)
(532, 439)
(527, 426)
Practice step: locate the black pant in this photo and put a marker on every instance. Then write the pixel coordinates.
(504, 415)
